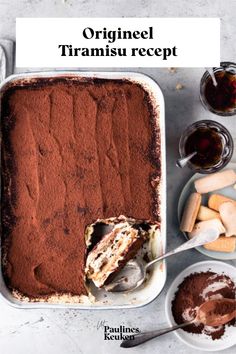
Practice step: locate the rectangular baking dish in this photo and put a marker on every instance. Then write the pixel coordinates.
(155, 284)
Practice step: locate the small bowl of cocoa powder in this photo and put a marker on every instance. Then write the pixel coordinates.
(197, 284)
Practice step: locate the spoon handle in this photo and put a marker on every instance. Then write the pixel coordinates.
(144, 337)
(182, 162)
(205, 237)
(3, 64)
(212, 74)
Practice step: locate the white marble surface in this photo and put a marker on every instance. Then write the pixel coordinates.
(71, 331)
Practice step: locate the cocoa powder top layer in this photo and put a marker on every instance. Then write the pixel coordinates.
(72, 152)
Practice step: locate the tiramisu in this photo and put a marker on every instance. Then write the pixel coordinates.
(73, 151)
(111, 253)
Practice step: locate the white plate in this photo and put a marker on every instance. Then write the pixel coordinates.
(228, 192)
(200, 341)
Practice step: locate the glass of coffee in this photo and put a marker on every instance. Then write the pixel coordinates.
(221, 98)
(212, 143)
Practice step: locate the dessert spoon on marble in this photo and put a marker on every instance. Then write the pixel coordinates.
(211, 313)
(135, 273)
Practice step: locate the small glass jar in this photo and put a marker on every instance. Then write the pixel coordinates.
(220, 99)
(212, 142)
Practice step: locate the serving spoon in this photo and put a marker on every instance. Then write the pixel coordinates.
(207, 314)
(134, 273)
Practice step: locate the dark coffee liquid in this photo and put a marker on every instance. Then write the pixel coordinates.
(222, 97)
(208, 144)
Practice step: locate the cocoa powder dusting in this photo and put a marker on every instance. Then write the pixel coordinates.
(223, 309)
(73, 152)
(195, 290)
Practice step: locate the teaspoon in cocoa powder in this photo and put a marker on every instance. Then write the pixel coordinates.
(211, 313)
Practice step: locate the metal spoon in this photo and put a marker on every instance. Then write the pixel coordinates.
(182, 162)
(208, 313)
(2, 64)
(205, 315)
(212, 75)
(134, 273)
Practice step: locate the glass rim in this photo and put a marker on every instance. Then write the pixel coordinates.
(186, 133)
(205, 76)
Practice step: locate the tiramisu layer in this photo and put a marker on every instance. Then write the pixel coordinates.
(72, 152)
(115, 249)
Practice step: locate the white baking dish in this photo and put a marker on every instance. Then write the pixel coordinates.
(156, 282)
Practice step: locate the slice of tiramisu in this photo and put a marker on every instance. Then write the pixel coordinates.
(115, 249)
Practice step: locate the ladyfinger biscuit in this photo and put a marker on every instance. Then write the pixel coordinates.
(228, 216)
(190, 212)
(201, 226)
(222, 244)
(206, 213)
(215, 181)
(215, 200)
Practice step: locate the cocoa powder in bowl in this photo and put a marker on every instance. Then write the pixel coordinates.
(195, 290)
